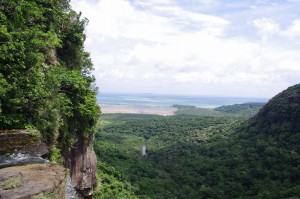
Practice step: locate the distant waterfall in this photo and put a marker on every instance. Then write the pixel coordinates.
(144, 148)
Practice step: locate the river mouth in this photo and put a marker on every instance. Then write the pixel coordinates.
(19, 158)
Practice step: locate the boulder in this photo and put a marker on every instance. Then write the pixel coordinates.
(22, 182)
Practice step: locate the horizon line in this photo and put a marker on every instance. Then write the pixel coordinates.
(181, 95)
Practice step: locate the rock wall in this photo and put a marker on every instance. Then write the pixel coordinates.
(80, 159)
(22, 141)
(83, 167)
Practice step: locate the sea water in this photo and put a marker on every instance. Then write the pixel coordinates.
(170, 100)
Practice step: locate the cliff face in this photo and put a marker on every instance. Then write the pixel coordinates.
(81, 160)
(21, 141)
(23, 172)
(46, 84)
(83, 167)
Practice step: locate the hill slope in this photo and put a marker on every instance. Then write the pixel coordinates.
(281, 115)
(237, 110)
(246, 109)
(207, 157)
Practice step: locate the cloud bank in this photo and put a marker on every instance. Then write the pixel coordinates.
(193, 47)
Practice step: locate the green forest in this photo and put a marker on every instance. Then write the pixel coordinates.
(203, 153)
(241, 151)
(45, 73)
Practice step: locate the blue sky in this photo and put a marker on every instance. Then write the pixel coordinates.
(194, 47)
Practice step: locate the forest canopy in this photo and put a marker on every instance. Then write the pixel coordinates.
(201, 153)
(45, 73)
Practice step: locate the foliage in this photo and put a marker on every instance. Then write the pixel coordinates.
(198, 111)
(280, 114)
(120, 144)
(206, 157)
(236, 110)
(55, 155)
(246, 109)
(45, 74)
(112, 185)
(33, 131)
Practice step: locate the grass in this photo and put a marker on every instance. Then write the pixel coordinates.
(11, 183)
(45, 196)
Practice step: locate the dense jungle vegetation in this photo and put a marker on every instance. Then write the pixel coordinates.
(198, 156)
(45, 76)
(46, 84)
(236, 110)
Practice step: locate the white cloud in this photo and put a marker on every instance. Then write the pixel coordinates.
(266, 27)
(293, 30)
(200, 77)
(163, 47)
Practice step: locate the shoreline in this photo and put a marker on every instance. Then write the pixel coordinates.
(108, 108)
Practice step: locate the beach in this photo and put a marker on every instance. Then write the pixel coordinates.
(158, 104)
(137, 109)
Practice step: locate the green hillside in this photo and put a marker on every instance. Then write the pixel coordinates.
(246, 109)
(280, 116)
(204, 157)
(236, 110)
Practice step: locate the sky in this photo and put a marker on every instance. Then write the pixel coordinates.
(245, 48)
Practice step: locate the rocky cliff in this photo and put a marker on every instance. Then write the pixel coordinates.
(83, 167)
(82, 162)
(22, 141)
(46, 84)
(25, 173)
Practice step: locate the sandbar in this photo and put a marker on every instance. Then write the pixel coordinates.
(137, 109)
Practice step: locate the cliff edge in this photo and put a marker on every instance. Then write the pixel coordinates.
(84, 168)
(31, 180)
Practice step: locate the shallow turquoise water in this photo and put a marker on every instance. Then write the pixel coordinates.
(169, 100)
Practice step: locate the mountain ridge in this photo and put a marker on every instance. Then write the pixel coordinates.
(281, 113)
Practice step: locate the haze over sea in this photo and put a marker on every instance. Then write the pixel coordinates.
(150, 99)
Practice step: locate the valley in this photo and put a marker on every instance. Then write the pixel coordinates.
(198, 155)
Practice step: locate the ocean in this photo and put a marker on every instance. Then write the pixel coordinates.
(169, 100)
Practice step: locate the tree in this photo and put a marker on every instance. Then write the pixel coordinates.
(45, 74)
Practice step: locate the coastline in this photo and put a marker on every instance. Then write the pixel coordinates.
(107, 108)
(162, 104)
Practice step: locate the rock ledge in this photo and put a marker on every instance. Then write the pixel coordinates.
(33, 179)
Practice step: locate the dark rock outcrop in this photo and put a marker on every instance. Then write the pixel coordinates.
(20, 147)
(23, 173)
(82, 162)
(80, 159)
(22, 141)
